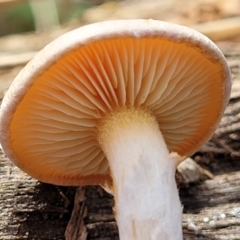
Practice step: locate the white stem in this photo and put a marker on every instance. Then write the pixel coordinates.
(147, 205)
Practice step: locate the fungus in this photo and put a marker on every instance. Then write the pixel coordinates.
(122, 101)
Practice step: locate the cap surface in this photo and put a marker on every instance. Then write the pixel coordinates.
(49, 117)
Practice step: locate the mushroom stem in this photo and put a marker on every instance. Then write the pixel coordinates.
(147, 204)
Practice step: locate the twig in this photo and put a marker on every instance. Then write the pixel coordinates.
(76, 230)
(212, 149)
(225, 146)
(66, 200)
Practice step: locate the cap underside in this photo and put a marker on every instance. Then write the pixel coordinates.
(53, 130)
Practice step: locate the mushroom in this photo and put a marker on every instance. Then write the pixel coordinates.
(122, 101)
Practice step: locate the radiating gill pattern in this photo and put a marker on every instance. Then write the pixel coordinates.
(59, 115)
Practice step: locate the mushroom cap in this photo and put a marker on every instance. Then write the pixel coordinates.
(49, 117)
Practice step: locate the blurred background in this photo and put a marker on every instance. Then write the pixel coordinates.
(21, 16)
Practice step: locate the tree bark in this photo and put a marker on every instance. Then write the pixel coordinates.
(30, 209)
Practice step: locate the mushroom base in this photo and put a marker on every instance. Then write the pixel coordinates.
(147, 204)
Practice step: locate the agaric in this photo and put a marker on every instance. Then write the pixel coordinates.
(122, 101)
